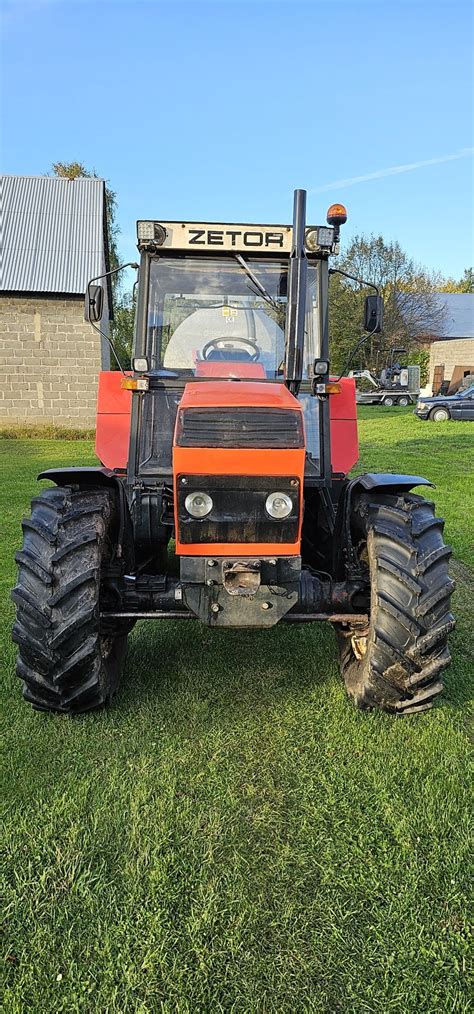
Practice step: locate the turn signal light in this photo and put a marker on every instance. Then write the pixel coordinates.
(327, 388)
(135, 383)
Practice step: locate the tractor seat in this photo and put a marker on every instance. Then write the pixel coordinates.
(230, 369)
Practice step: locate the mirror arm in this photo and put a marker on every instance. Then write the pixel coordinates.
(107, 274)
(354, 278)
(113, 271)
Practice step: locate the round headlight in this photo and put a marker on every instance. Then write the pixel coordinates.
(198, 504)
(159, 233)
(311, 239)
(278, 505)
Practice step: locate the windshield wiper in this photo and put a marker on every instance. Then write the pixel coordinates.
(261, 288)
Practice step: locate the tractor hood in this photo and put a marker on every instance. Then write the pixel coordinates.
(239, 414)
(236, 443)
(238, 393)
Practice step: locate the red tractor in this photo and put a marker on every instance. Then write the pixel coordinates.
(227, 447)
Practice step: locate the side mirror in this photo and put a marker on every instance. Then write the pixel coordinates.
(373, 315)
(93, 303)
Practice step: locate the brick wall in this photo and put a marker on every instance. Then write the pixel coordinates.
(456, 352)
(49, 361)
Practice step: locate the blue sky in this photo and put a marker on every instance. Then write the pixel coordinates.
(216, 111)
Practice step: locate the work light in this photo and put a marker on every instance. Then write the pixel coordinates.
(140, 364)
(151, 232)
(321, 366)
(325, 237)
(320, 238)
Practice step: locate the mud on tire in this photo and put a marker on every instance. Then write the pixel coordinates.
(66, 661)
(397, 663)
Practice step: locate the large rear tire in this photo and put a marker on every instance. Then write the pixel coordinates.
(67, 662)
(396, 663)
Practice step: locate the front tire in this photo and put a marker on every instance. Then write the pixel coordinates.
(388, 402)
(67, 661)
(403, 401)
(396, 663)
(440, 415)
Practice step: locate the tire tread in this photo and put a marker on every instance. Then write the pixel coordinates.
(410, 616)
(57, 627)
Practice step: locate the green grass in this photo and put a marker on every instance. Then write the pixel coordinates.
(233, 835)
(43, 431)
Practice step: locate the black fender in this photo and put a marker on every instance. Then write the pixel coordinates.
(387, 481)
(345, 561)
(101, 476)
(82, 476)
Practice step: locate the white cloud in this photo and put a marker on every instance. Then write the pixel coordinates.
(393, 170)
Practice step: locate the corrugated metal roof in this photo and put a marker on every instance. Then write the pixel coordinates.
(52, 233)
(458, 315)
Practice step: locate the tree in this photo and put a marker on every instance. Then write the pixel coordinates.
(421, 358)
(73, 170)
(121, 330)
(346, 313)
(413, 310)
(465, 284)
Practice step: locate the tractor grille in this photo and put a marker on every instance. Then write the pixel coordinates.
(240, 427)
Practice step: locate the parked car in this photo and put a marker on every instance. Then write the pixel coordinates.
(443, 407)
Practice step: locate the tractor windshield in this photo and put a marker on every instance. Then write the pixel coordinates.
(223, 316)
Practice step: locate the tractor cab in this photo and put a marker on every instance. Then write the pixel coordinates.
(228, 303)
(214, 306)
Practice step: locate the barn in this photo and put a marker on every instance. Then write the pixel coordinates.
(54, 240)
(452, 352)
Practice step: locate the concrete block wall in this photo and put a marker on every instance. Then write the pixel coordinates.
(452, 353)
(50, 358)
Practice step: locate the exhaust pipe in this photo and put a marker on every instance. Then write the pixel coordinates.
(296, 309)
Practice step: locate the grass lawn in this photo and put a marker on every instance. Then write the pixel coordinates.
(233, 835)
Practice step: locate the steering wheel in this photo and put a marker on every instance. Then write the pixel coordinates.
(220, 345)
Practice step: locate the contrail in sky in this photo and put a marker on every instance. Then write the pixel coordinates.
(393, 170)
